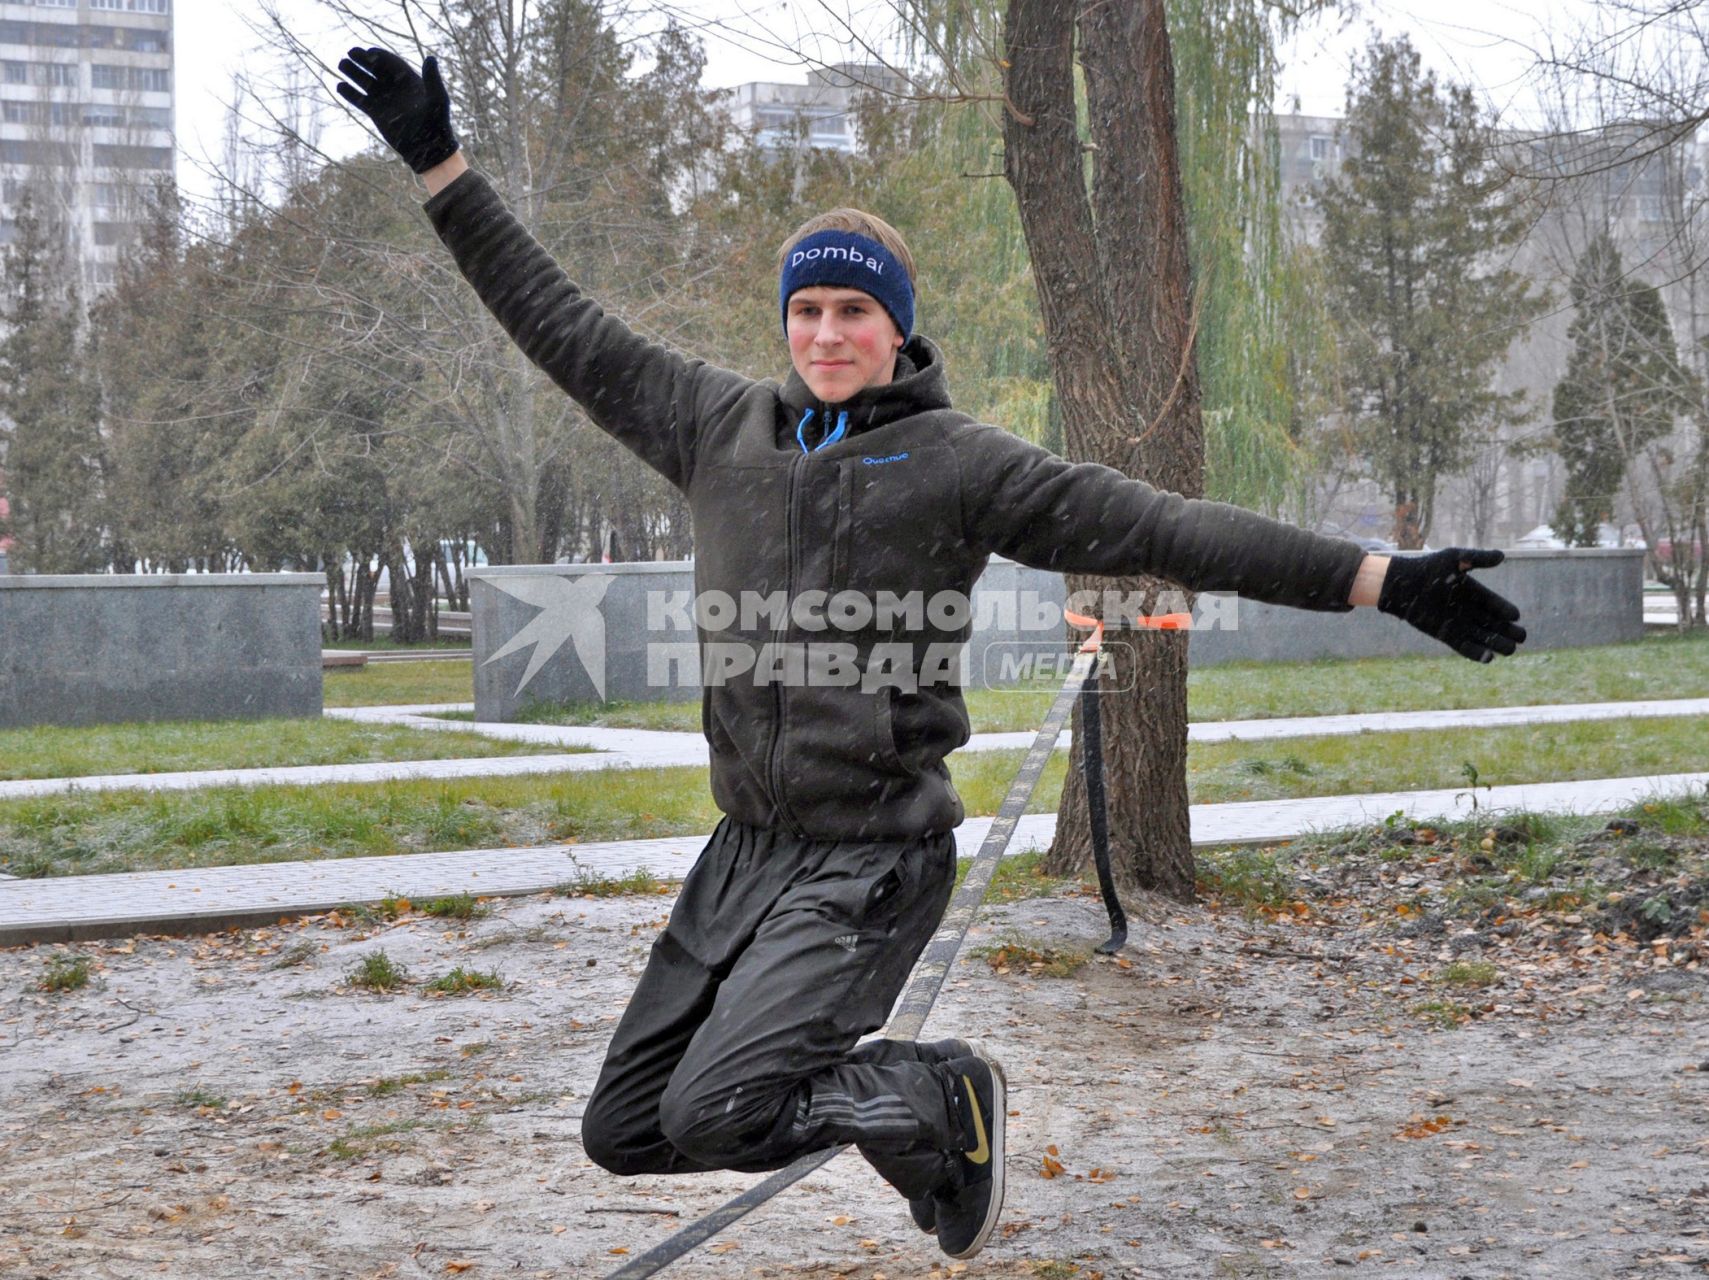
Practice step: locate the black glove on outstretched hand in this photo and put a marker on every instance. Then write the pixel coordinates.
(411, 111)
(1437, 594)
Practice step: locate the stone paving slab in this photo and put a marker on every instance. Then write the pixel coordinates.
(669, 747)
(70, 908)
(323, 774)
(639, 742)
(657, 749)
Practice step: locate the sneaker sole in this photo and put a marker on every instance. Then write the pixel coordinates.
(997, 1132)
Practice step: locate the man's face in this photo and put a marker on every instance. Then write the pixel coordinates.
(841, 341)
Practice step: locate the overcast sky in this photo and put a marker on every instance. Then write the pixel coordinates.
(1487, 43)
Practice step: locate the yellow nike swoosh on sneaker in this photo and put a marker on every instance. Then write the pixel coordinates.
(981, 1153)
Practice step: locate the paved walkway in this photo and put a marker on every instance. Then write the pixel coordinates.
(77, 907)
(652, 749)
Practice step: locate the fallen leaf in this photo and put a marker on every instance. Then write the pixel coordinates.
(1420, 1127)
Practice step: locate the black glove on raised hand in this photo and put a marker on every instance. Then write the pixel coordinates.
(1436, 594)
(412, 112)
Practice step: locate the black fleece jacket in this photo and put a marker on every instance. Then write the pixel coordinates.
(914, 497)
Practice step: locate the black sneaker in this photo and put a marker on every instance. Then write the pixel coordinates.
(967, 1209)
(925, 1209)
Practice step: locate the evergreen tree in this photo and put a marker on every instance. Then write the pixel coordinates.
(1413, 227)
(1621, 391)
(49, 420)
(167, 426)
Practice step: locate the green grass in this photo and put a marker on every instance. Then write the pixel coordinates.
(670, 717)
(464, 982)
(589, 885)
(1038, 959)
(1527, 863)
(124, 831)
(1406, 761)
(132, 830)
(1656, 667)
(65, 973)
(1351, 764)
(170, 747)
(295, 955)
(1444, 1015)
(1254, 878)
(459, 906)
(377, 971)
(384, 911)
(366, 1139)
(385, 644)
(1018, 876)
(394, 683)
(199, 1098)
(1472, 974)
(386, 1086)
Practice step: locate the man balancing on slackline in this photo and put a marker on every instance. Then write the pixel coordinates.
(828, 874)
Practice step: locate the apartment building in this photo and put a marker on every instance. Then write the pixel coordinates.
(86, 116)
(1619, 178)
(821, 113)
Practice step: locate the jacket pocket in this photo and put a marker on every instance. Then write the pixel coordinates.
(889, 754)
(899, 524)
(882, 884)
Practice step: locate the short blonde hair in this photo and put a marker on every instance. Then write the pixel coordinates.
(861, 223)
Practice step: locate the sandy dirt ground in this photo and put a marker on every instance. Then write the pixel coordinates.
(1231, 1097)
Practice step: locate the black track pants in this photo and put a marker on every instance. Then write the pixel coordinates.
(737, 1050)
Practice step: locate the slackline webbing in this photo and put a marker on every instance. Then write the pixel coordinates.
(910, 1013)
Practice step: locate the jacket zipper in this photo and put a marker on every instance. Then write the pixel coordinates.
(778, 691)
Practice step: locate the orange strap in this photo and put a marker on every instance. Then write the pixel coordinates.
(1093, 641)
(1157, 622)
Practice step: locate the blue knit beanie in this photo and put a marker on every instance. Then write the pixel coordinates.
(849, 260)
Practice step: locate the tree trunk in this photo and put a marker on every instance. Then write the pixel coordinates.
(1115, 291)
(334, 598)
(396, 565)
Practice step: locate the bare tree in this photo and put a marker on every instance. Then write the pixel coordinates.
(1625, 99)
(546, 109)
